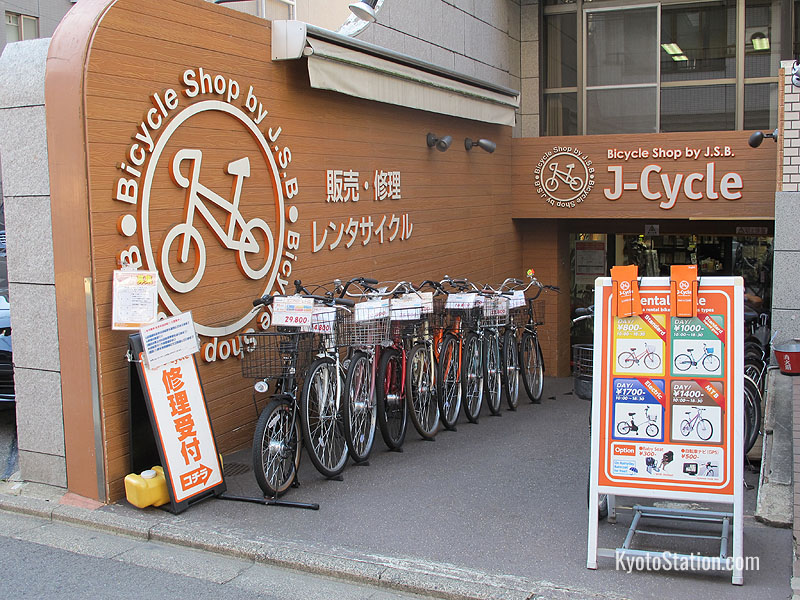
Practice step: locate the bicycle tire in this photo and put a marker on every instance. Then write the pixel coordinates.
(423, 408)
(686, 428)
(652, 361)
(321, 421)
(683, 362)
(359, 409)
(472, 377)
(276, 447)
(701, 429)
(509, 373)
(448, 381)
(755, 368)
(626, 360)
(651, 430)
(391, 398)
(492, 386)
(712, 360)
(752, 413)
(531, 366)
(623, 428)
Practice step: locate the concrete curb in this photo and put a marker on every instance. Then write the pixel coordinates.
(417, 577)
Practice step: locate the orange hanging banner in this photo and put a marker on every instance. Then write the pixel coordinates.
(626, 290)
(683, 290)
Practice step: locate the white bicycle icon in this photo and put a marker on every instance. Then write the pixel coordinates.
(245, 244)
(551, 184)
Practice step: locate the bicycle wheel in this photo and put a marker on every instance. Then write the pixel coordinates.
(358, 407)
(652, 361)
(623, 428)
(705, 429)
(711, 363)
(683, 362)
(492, 385)
(531, 366)
(391, 398)
(472, 377)
(448, 381)
(423, 410)
(752, 413)
(651, 430)
(626, 360)
(276, 447)
(754, 368)
(686, 428)
(323, 433)
(509, 371)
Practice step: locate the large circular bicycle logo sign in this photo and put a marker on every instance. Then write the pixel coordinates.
(210, 185)
(564, 176)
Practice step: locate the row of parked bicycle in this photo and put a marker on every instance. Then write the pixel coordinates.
(348, 358)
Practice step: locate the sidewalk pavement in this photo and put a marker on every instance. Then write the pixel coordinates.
(494, 510)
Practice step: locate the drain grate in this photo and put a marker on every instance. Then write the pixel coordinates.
(233, 469)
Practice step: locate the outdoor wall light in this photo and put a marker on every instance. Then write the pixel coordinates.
(364, 10)
(441, 143)
(757, 137)
(487, 145)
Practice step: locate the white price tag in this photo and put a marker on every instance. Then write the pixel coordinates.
(372, 309)
(406, 308)
(427, 302)
(292, 311)
(517, 299)
(495, 307)
(460, 301)
(323, 318)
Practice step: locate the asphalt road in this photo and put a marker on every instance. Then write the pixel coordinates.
(42, 559)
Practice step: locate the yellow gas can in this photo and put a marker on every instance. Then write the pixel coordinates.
(147, 489)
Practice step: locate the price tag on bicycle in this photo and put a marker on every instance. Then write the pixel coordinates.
(292, 311)
(427, 302)
(461, 301)
(323, 318)
(372, 310)
(495, 307)
(516, 299)
(406, 308)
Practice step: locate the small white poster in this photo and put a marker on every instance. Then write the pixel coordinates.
(134, 299)
(169, 340)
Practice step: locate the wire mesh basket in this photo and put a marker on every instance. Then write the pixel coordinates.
(495, 311)
(464, 309)
(272, 354)
(582, 364)
(439, 317)
(518, 316)
(538, 311)
(367, 325)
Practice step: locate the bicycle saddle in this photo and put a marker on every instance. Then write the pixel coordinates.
(631, 414)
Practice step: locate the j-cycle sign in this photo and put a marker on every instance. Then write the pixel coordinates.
(667, 416)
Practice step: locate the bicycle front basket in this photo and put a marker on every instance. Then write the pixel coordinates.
(272, 354)
(367, 325)
(495, 311)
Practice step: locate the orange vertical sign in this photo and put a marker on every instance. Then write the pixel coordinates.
(626, 290)
(683, 290)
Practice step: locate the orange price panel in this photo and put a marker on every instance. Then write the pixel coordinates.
(639, 343)
(698, 346)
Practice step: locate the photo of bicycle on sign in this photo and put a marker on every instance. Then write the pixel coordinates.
(251, 240)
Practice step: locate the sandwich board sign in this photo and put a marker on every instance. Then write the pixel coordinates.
(667, 399)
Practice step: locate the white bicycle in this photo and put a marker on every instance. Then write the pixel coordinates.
(245, 244)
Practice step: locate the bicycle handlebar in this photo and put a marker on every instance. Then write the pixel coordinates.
(267, 300)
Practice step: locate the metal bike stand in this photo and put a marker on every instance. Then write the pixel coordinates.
(697, 516)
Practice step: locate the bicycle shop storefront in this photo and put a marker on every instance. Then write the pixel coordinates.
(585, 204)
(180, 157)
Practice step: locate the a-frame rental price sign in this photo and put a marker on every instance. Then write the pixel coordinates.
(667, 403)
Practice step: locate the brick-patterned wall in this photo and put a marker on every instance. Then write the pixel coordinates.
(546, 250)
(789, 134)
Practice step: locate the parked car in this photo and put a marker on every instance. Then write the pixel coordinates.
(6, 362)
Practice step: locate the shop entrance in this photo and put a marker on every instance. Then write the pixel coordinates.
(745, 251)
